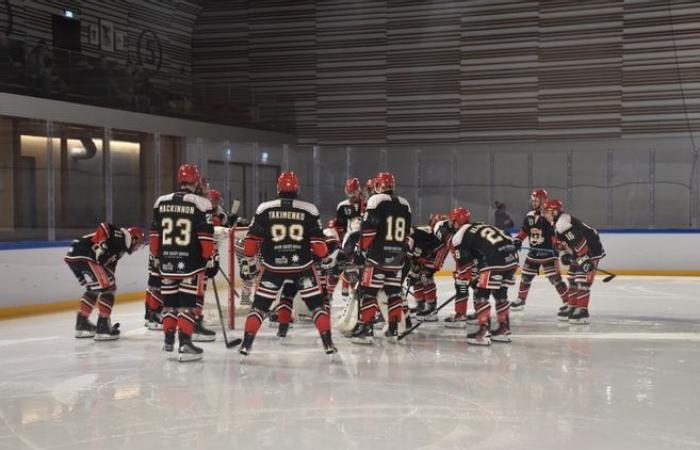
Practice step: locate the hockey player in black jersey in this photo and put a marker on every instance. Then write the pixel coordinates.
(182, 245)
(497, 260)
(424, 250)
(93, 260)
(353, 206)
(540, 234)
(385, 228)
(582, 253)
(444, 230)
(286, 232)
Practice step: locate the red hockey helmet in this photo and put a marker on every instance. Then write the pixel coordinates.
(331, 223)
(460, 216)
(384, 181)
(553, 204)
(352, 187)
(539, 194)
(287, 183)
(214, 197)
(188, 174)
(137, 238)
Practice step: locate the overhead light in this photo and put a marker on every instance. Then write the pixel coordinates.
(68, 13)
(264, 157)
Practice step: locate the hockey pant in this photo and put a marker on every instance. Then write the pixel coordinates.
(550, 267)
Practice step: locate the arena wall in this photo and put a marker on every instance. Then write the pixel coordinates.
(37, 280)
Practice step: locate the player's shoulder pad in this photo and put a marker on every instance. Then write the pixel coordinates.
(306, 206)
(331, 233)
(459, 235)
(163, 198)
(375, 200)
(424, 229)
(439, 226)
(531, 213)
(345, 202)
(404, 202)
(127, 237)
(563, 223)
(202, 203)
(262, 207)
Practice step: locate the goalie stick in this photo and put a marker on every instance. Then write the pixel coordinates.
(610, 275)
(235, 342)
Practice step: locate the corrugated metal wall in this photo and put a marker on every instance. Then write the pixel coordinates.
(393, 72)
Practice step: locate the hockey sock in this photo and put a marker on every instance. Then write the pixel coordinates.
(253, 321)
(418, 292)
(185, 321)
(284, 310)
(584, 295)
(572, 296)
(523, 290)
(482, 310)
(394, 309)
(368, 310)
(87, 303)
(169, 320)
(199, 305)
(430, 293)
(105, 304)
(322, 320)
(502, 310)
(153, 300)
(562, 290)
(332, 283)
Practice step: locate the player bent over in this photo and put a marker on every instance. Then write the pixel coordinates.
(287, 233)
(93, 259)
(423, 250)
(497, 261)
(583, 252)
(540, 234)
(385, 229)
(182, 243)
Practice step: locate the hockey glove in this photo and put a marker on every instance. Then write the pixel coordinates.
(585, 263)
(567, 259)
(100, 249)
(212, 266)
(249, 267)
(327, 264)
(518, 244)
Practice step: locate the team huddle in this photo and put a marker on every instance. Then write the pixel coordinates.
(372, 248)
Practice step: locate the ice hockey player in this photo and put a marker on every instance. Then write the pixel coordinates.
(423, 249)
(182, 243)
(385, 228)
(246, 280)
(353, 206)
(445, 230)
(540, 234)
(581, 251)
(219, 216)
(154, 299)
(497, 260)
(333, 242)
(287, 233)
(93, 260)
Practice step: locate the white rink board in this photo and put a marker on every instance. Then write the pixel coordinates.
(39, 276)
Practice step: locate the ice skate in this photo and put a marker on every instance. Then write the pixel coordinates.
(105, 330)
(83, 327)
(456, 321)
(187, 351)
(480, 337)
(202, 334)
(364, 335)
(579, 316)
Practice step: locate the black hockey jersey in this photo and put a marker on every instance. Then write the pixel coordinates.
(540, 234)
(385, 228)
(492, 248)
(423, 245)
(289, 234)
(582, 239)
(344, 212)
(182, 234)
(114, 243)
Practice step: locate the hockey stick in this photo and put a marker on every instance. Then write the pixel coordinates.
(610, 276)
(223, 274)
(410, 330)
(234, 342)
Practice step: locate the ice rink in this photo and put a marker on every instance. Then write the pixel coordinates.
(630, 380)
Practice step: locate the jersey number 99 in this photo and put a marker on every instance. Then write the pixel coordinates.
(280, 232)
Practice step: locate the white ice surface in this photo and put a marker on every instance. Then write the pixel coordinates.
(630, 380)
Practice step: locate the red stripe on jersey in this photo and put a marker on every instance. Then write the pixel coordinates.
(101, 234)
(367, 239)
(154, 242)
(207, 248)
(522, 234)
